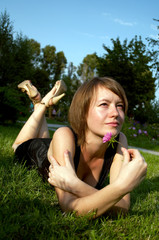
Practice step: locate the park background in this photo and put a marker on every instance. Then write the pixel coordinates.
(48, 40)
(76, 40)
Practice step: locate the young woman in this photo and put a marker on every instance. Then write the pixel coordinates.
(80, 161)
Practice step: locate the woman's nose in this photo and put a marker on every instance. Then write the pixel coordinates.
(114, 111)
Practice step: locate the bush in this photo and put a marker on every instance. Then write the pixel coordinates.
(147, 113)
(142, 135)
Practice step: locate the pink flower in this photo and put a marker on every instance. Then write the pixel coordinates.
(111, 140)
(107, 137)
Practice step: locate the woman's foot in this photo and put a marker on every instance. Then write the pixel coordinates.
(32, 92)
(56, 93)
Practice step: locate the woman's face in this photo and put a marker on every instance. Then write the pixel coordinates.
(106, 113)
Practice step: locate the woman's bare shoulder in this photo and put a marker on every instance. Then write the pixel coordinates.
(64, 131)
(64, 136)
(63, 139)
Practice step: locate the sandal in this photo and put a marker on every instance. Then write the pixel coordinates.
(34, 95)
(55, 94)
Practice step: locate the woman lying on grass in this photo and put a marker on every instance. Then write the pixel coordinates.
(83, 161)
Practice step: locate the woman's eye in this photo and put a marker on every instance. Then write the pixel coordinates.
(103, 104)
(120, 106)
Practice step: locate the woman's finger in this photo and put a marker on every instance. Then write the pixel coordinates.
(125, 155)
(53, 161)
(135, 154)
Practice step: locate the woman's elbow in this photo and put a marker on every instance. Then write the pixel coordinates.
(72, 205)
(125, 209)
(67, 203)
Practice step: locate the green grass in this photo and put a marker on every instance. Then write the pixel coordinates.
(29, 208)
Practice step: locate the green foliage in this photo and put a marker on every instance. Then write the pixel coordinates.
(15, 65)
(29, 208)
(129, 65)
(87, 69)
(60, 64)
(72, 82)
(53, 63)
(21, 58)
(48, 58)
(35, 52)
(41, 80)
(142, 135)
(6, 49)
(148, 112)
(154, 51)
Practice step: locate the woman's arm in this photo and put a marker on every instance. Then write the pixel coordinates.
(65, 177)
(131, 174)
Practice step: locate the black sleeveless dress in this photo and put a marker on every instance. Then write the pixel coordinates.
(34, 154)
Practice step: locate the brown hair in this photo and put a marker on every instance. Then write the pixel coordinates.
(81, 101)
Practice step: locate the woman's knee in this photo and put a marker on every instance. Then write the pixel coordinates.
(14, 146)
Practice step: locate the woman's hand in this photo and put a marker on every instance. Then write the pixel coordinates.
(62, 177)
(133, 170)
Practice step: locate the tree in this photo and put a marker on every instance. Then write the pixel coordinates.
(6, 65)
(154, 51)
(6, 48)
(54, 63)
(59, 65)
(72, 83)
(22, 58)
(41, 80)
(129, 65)
(87, 69)
(144, 80)
(48, 59)
(16, 65)
(35, 52)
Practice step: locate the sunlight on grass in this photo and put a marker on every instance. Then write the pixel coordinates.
(29, 208)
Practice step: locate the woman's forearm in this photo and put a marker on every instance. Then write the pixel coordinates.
(98, 202)
(81, 189)
(122, 206)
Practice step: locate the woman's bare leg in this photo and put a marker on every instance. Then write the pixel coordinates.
(34, 127)
(43, 129)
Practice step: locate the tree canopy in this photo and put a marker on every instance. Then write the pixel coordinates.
(130, 63)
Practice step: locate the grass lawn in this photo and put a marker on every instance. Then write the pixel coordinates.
(143, 136)
(29, 208)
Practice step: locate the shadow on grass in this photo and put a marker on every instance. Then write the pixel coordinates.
(24, 218)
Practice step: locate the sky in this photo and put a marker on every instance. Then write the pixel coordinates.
(81, 27)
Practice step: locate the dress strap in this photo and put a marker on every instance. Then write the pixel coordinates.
(77, 150)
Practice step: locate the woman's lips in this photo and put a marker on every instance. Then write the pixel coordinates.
(113, 124)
